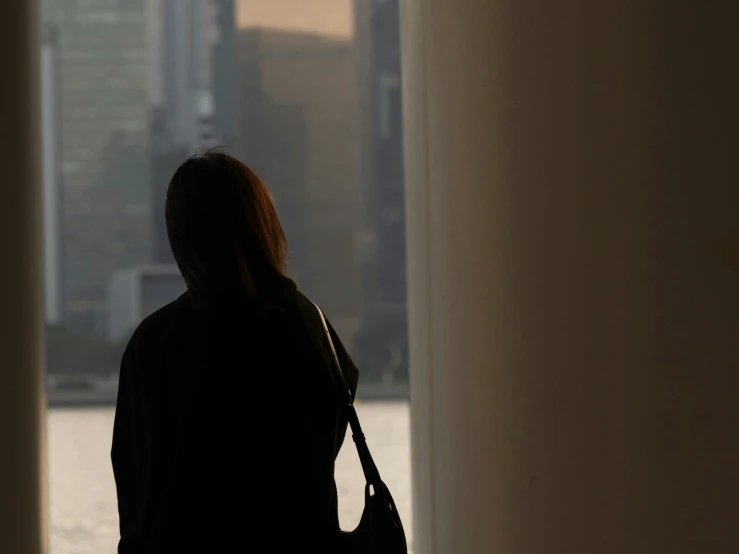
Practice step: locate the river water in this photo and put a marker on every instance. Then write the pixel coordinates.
(83, 512)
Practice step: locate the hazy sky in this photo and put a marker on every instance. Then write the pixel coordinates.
(332, 18)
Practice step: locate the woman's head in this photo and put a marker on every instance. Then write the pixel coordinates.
(224, 231)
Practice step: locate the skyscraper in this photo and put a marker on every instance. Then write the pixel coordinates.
(103, 143)
(298, 120)
(52, 194)
(383, 340)
(187, 38)
(225, 62)
(194, 92)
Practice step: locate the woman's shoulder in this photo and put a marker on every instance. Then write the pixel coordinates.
(306, 313)
(313, 327)
(159, 322)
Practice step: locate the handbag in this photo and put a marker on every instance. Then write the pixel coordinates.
(380, 530)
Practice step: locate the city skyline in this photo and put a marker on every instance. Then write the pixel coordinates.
(311, 102)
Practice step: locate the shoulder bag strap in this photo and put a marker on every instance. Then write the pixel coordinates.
(371, 474)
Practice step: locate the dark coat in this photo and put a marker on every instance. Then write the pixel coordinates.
(226, 430)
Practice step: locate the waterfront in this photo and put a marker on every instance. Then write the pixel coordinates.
(82, 493)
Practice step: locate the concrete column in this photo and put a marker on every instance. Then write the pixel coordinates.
(22, 400)
(571, 170)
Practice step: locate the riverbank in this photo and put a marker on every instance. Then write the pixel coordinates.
(103, 396)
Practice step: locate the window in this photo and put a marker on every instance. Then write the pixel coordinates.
(131, 88)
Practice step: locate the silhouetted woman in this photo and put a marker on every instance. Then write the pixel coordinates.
(229, 416)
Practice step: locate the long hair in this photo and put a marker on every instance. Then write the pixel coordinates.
(224, 232)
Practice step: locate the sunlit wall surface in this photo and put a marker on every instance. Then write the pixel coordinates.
(308, 94)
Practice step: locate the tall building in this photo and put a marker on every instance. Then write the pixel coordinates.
(383, 340)
(103, 144)
(225, 63)
(194, 94)
(52, 194)
(188, 33)
(299, 132)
